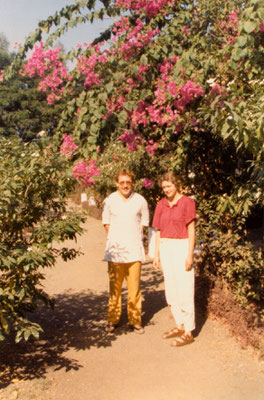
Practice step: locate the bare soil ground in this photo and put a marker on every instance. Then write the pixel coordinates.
(76, 360)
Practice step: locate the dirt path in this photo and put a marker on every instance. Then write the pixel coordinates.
(76, 360)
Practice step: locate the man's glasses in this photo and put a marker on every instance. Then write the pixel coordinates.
(123, 183)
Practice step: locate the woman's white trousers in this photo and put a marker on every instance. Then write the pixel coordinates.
(179, 283)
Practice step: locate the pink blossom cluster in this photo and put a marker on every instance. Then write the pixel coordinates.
(151, 7)
(139, 115)
(229, 27)
(137, 41)
(162, 113)
(87, 66)
(47, 65)
(131, 139)
(147, 183)
(187, 93)
(121, 26)
(166, 67)
(135, 37)
(68, 146)
(185, 31)
(217, 90)
(115, 105)
(151, 147)
(183, 95)
(146, 113)
(84, 171)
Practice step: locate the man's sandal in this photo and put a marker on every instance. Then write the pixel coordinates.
(173, 333)
(110, 328)
(137, 329)
(182, 340)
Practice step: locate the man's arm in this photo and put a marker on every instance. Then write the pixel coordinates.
(144, 228)
(106, 215)
(144, 215)
(107, 226)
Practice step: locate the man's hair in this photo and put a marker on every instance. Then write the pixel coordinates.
(171, 177)
(127, 172)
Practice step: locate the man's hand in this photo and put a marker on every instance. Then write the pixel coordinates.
(107, 226)
(156, 263)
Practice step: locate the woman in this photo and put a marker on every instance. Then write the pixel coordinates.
(174, 220)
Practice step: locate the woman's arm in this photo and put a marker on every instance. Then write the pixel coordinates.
(191, 237)
(156, 261)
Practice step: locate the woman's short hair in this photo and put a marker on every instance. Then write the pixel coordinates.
(171, 177)
(127, 172)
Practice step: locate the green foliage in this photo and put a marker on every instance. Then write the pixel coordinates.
(216, 143)
(34, 184)
(235, 262)
(225, 253)
(24, 110)
(5, 57)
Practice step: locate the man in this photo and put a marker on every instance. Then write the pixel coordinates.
(125, 213)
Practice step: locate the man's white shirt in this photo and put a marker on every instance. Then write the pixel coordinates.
(126, 217)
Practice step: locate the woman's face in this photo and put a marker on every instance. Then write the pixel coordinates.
(169, 189)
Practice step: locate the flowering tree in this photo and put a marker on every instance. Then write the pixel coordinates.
(169, 69)
(178, 83)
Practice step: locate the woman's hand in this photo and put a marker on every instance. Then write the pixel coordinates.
(189, 263)
(156, 263)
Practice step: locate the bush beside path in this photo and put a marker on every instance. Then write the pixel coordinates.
(76, 360)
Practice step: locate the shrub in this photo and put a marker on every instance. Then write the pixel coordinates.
(34, 184)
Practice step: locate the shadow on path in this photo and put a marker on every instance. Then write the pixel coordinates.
(77, 322)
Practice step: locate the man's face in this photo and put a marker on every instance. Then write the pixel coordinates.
(124, 185)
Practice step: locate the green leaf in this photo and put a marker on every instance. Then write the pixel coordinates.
(109, 87)
(19, 336)
(27, 334)
(242, 40)
(4, 323)
(92, 140)
(129, 105)
(22, 294)
(83, 127)
(250, 26)
(260, 12)
(103, 97)
(143, 60)
(122, 117)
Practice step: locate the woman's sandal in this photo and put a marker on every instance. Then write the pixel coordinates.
(182, 340)
(173, 333)
(110, 328)
(137, 329)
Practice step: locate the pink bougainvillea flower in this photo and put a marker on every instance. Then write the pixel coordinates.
(84, 171)
(47, 65)
(147, 183)
(131, 139)
(151, 7)
(68, 146)
(151, 147)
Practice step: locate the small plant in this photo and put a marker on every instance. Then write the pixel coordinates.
(34, 184)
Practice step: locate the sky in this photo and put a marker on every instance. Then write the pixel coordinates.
(18, 18)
